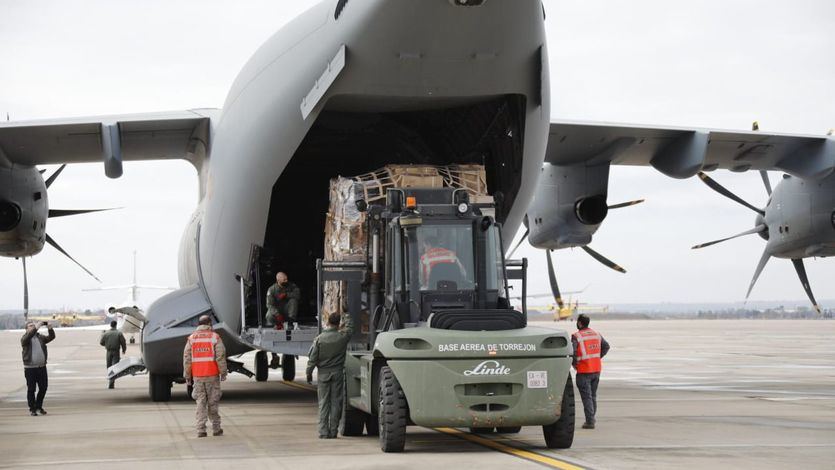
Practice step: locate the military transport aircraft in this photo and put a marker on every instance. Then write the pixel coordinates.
(350, 86)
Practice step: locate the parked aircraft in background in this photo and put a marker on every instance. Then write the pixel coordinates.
(128, 314)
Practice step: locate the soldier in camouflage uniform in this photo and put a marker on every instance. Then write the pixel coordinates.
(328, 354)
(113, 340)
(282, 305)
(282, 301)
(204, 367)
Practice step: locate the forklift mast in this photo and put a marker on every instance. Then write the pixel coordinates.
(398, 286)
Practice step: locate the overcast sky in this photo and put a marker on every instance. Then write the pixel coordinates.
(710, 63)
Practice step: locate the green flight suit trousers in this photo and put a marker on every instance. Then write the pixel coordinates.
(331, 388)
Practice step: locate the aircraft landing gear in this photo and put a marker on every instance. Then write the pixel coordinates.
(288, 367)
(262, 371)
(132, 340)
(159, 387)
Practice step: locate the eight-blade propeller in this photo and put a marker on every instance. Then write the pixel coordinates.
(552, 276)
(760, 228)
(49, 240)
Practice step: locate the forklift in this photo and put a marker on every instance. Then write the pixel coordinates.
(440, 344)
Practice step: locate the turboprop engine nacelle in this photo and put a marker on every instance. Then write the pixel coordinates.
(569, 205)
(23, 211)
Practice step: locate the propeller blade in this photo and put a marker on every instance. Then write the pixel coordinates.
(757, 229)
(54, 176)
(66, 212)
(609, 263)
(766, 181)
(801, 273)
(763, 260)
(55, 245)
(25, 291)
(626, 204)
(723, 191)
(524, 237)
(552, 277)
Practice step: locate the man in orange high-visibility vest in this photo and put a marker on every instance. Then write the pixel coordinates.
(204, 367)
(433, 254)
(589, 349)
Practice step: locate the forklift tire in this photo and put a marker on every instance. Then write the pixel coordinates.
(353, 420)
(481, 430)
(393, 413)
(288, 367)
(159, 387)
(262, 372)
(560, 435)
(509, 430)
(372, 425)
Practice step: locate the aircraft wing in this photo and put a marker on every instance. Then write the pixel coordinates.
(682, 152)
(154, 136)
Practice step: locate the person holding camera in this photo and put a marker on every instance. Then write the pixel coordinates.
(34, 364)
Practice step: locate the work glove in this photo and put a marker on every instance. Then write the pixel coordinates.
(223, 377)
(310, 378)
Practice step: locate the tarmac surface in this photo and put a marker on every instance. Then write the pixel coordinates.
(676, 393)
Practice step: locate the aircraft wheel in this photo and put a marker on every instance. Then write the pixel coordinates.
(560, 435)
(509, 430)
(261, 369)
(288, 367)
(159, 387)
(132, 340)
(481, 430)
(393, 413)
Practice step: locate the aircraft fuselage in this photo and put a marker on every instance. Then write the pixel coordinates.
(345, 94)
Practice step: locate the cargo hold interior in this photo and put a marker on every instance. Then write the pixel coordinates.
(488, 132)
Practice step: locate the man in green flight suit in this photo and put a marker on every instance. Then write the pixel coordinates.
(113, 340)
(328, 354)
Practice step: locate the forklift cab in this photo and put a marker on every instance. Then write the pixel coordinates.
(442, 255)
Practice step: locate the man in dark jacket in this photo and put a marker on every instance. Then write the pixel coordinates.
(113, 340)
(34, 364)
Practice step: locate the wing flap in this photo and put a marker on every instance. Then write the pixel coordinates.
(593, 143)
(154, 136)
